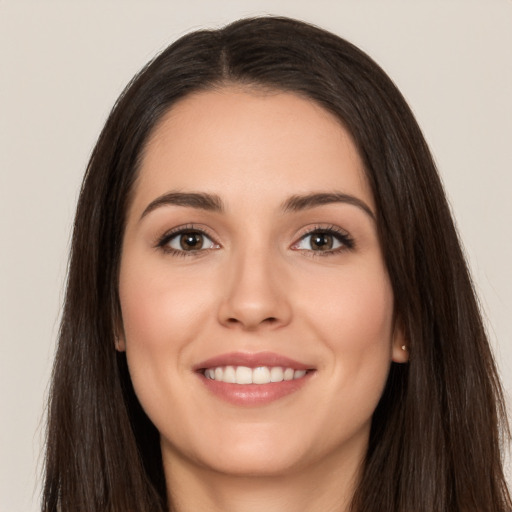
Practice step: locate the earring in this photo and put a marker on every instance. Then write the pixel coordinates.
(404, 348)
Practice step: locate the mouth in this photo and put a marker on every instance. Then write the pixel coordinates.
(253, 379)
(244, 375)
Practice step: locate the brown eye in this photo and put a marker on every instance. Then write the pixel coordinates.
(321, 241)
(327, 240)
(191, 241)
(188, 241)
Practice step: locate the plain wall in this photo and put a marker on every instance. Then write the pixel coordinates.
(62, 65)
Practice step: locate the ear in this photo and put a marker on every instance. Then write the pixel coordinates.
(120, 343)
(119, 336)
(400, 346)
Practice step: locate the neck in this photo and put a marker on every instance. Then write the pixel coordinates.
(327, 487)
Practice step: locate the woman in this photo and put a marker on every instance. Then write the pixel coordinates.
(267, 305)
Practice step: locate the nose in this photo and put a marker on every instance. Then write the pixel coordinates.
(254, 293)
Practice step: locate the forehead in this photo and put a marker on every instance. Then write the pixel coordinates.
(252, 143)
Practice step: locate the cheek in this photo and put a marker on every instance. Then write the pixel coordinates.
(159, 308)
(354, 309)
(354, 318)
(161, 316)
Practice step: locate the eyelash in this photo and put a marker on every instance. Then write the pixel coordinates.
(346, 241)
(162, 242)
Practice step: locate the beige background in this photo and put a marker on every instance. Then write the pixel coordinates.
(62, 65)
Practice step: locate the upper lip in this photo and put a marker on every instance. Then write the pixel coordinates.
(251, 360)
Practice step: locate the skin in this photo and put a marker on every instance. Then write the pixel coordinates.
(258, 286)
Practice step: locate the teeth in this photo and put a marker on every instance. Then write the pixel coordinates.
(243, 375)
(276, 374)
(289, 373)
(229, 375)
(259, 375)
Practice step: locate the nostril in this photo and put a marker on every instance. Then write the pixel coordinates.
(271, 320)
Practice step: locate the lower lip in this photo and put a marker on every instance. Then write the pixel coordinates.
(254, 394)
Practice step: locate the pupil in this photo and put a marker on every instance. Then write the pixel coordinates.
(321, 241)
(190, 241)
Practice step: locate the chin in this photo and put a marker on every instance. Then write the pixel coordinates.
(243, 452)
(254, 463)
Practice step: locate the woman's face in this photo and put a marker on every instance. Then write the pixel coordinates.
(251, 254)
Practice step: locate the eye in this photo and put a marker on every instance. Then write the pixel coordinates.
(324, 240)
(187, 240)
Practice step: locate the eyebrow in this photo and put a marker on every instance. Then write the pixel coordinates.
(304, 202)
(201, 201)
(213, 203)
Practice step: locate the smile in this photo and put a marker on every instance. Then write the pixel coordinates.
(253, 379)
(259, 375)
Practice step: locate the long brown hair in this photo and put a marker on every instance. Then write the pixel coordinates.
(435, 437)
